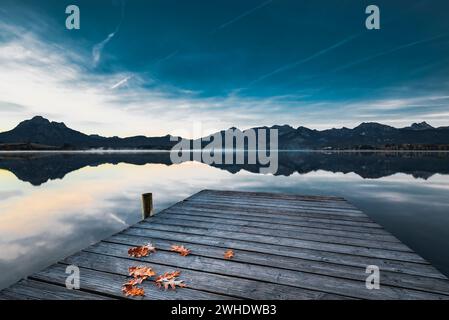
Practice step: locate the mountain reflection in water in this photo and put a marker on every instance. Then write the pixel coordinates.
(38, 168)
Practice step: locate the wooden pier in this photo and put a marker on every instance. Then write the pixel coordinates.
(285, 247)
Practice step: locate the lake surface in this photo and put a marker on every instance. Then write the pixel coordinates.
(52, 205)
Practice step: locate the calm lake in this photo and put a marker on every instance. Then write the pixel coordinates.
(52, 205)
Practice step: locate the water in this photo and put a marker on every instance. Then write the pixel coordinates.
(52, 205)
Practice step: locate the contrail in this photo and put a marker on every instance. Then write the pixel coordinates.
(167, 57)
(121, 82)
(98, 48)
(222, 26)
(305, 60)
(243, 15)
(380, 54)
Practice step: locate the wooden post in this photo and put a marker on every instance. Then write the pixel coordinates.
(147, 205)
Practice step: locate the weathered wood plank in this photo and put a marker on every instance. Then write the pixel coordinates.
(346, 287)
(282, 218)
(31, 289)
(398, 279)
(289, 228)
(167, 220)
(281, 205)
(324, 256)
(270, 208)
(277, 196)
(277, 211)
(289, 242)
(111, 283)
(272, 194)
(6, 294)
(235, 216)
(205, 285)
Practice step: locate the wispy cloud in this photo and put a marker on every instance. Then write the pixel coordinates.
(11, 107)
(59, 83)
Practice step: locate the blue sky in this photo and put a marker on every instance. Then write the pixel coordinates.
(164, 66)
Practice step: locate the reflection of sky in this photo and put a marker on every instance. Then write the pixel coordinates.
(40, 225)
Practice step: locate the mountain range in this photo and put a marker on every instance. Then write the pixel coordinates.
(39, 133)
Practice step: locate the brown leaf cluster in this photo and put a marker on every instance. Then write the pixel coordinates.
(143, 251)
(169, 279)
(131, 290)
(166, 280)
(142, 273)
(139, 274)
(183, 251)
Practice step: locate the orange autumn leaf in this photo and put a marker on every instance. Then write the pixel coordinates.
(168, 279)
(181, 250)
(229, 254)
(141, 272)
(167, 276)
(134, 282)
(129, 290)
(143, 251)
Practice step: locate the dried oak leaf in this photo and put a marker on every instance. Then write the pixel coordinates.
(229, 254)
(173, 283)
(168, 279)
(130, 290)
(167, 276)
(141, 272)
(181, 250)
(134, 282)
(142, 251)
